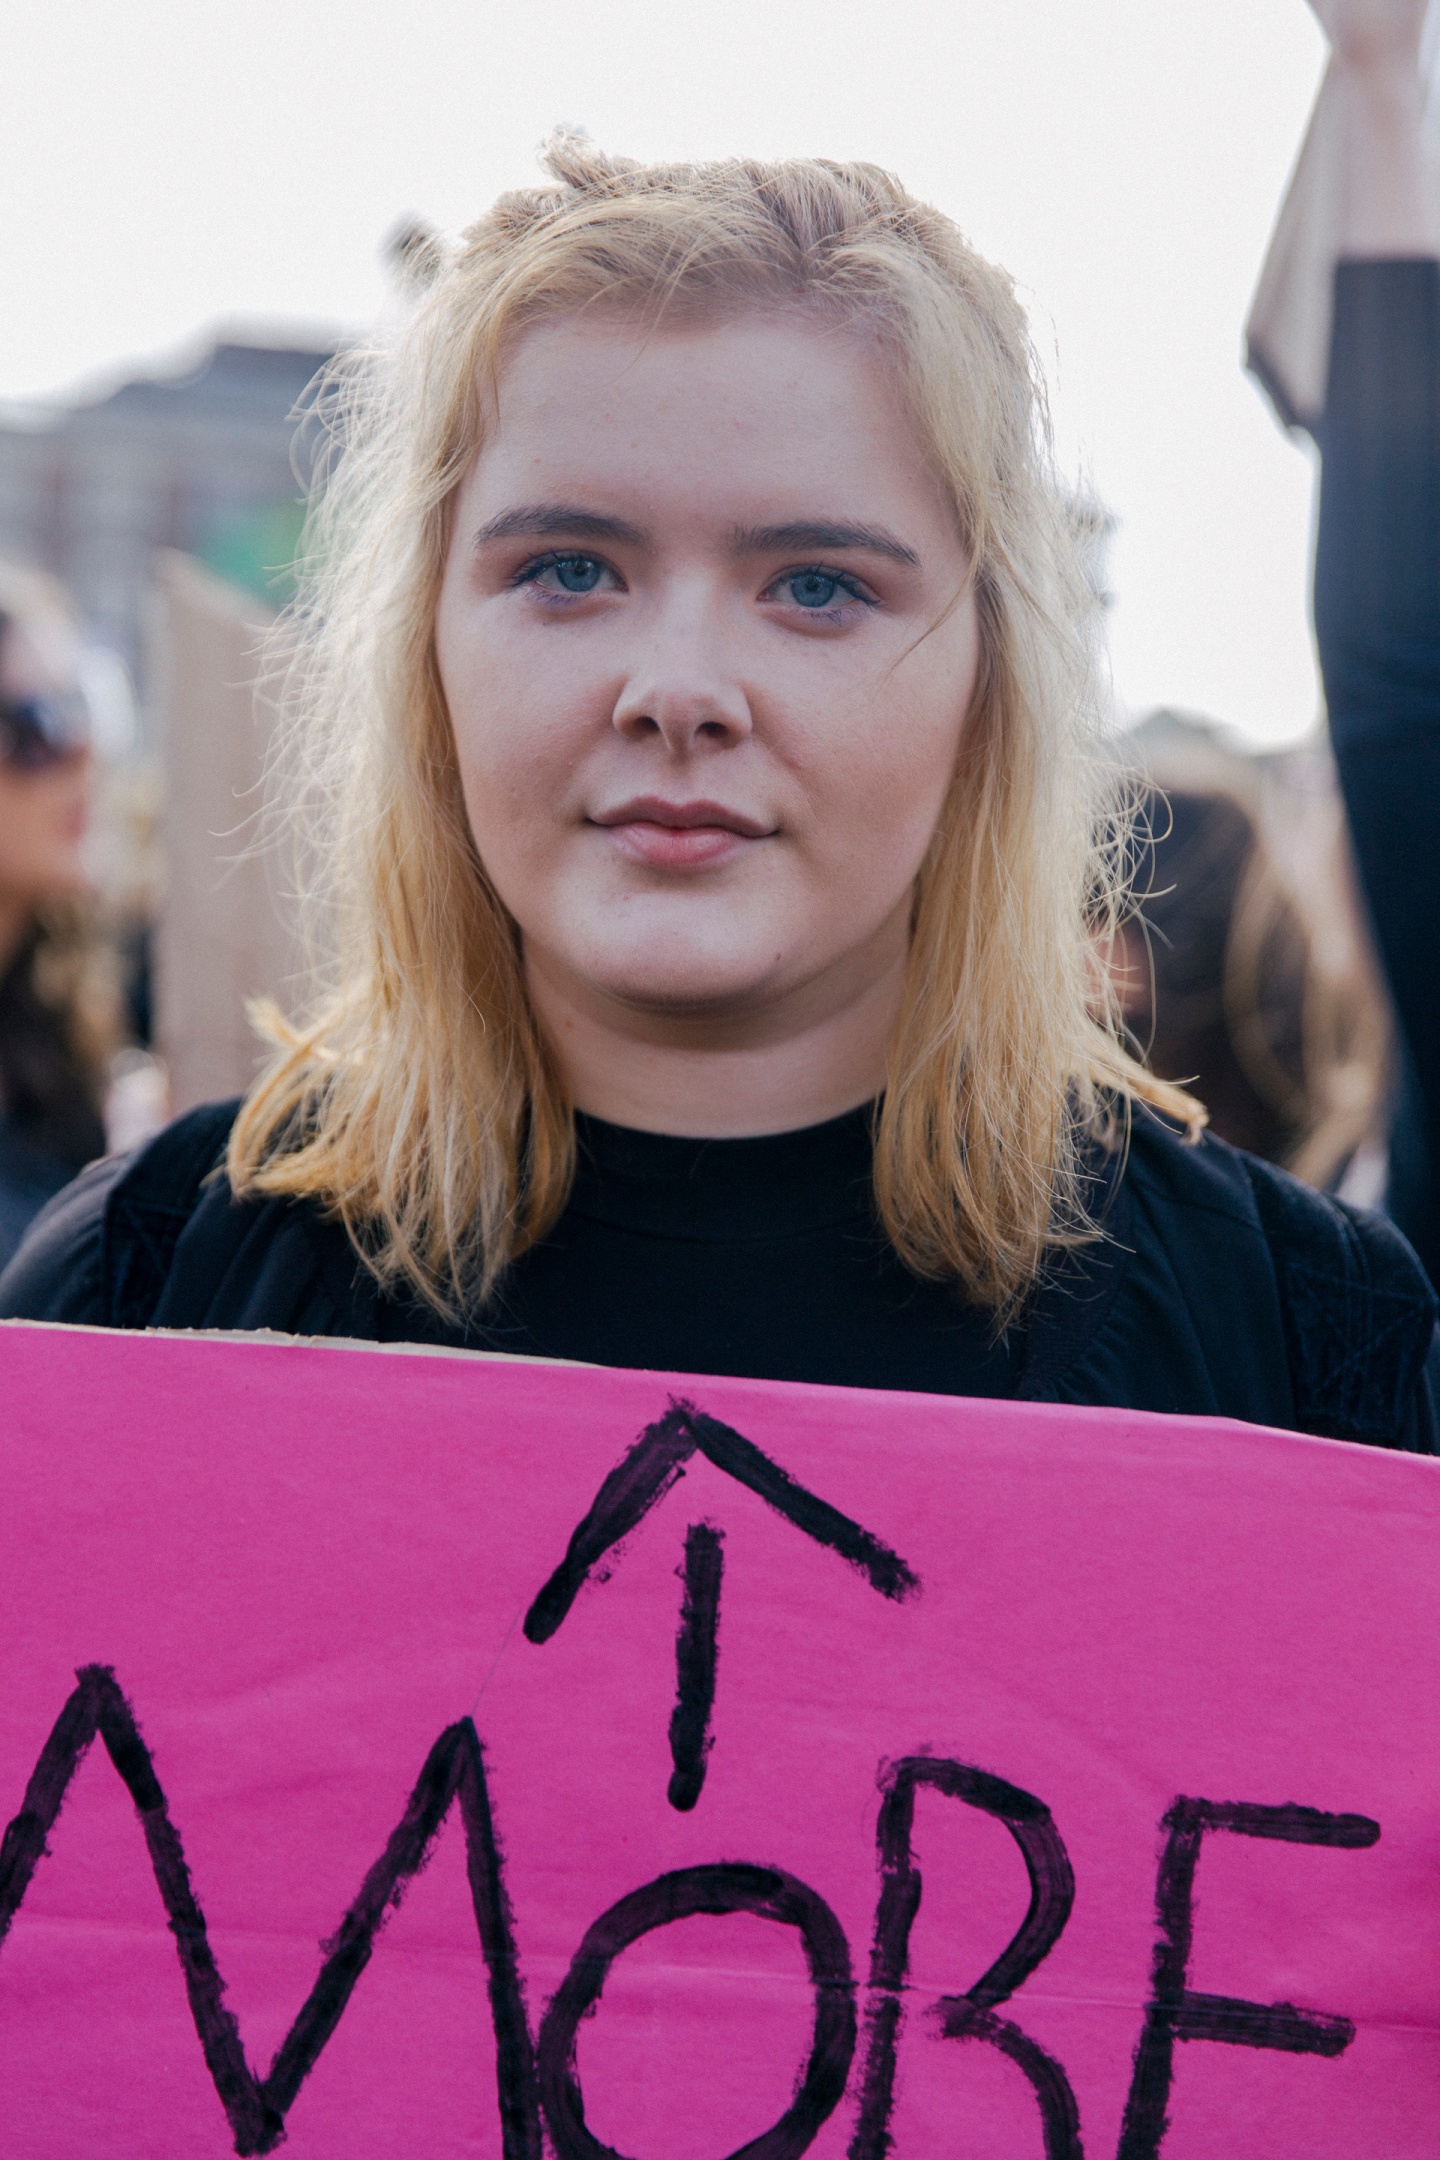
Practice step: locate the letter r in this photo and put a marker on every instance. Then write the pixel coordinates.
(970, 2016)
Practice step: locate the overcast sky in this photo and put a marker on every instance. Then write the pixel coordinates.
(167, 167)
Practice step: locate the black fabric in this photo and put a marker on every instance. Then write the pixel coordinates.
(1347, 1296)
(1377, 623)
(752, 1256)
(29, 1176)
(151, 1209)
(50, 1123)
(760, 1256)
(50, 1088)
(1220, 1287)
(1194, 1324)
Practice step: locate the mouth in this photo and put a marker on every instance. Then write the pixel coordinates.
(680, 836)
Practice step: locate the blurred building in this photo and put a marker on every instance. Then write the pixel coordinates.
(204, 459)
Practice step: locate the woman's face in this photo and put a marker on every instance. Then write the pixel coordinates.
(43, 808)
(707, 644)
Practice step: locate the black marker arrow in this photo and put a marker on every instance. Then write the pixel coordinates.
(636, 1485)
(696, 1649)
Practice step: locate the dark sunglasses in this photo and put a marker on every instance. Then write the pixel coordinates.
(41, 732)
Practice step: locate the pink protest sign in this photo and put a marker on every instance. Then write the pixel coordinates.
(430, 1755)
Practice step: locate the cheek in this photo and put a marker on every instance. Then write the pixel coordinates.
(516, 760)
(517, 763)
(881, 782)
(517, 711)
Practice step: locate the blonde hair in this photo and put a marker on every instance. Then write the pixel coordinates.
(419, 1101)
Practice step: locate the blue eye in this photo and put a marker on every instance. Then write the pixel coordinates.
(576, 573)
(816, 588)
(573, 573)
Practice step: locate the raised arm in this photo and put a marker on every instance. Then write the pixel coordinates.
(1377, 572)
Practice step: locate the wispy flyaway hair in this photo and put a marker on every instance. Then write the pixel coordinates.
(417, 1099)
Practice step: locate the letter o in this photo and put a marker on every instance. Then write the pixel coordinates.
(724, 1888)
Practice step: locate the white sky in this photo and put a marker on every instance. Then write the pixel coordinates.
(166, 166)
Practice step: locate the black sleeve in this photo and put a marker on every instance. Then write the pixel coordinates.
(1377, 624)
(101, 1252)
(58, 1272)
(1359, 1316)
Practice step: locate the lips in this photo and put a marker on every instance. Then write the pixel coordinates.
(680, 836)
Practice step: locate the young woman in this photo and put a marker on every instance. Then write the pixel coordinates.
(698, 668)
(53, 1011)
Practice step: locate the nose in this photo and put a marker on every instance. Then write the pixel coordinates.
(684, 690)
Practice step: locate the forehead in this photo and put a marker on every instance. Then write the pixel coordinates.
(722, 415)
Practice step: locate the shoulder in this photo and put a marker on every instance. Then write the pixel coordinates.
(100, 1251)
(1205, 1176)
(56, 1272)
(1354, 1309)
(159, 1239)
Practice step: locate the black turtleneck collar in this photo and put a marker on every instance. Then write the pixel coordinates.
(724, 1191)
(761, 1256)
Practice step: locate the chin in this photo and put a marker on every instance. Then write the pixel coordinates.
(679, 993)
(678, 975)
(675, 968)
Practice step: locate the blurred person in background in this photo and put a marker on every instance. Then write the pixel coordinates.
(57, 1019)
(1247, 970)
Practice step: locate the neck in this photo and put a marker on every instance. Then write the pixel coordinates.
(806, 1057)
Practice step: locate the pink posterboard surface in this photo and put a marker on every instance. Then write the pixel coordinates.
(488, 1758)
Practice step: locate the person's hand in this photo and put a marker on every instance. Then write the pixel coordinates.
(1373, 34)
(1376, 44)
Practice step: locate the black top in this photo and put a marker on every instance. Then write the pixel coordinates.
(1377, 622)
(1221, 1286)
(730, 1256)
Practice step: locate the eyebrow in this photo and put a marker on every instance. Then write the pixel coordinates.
(543, 521)
(549, 520)
(807, 533)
